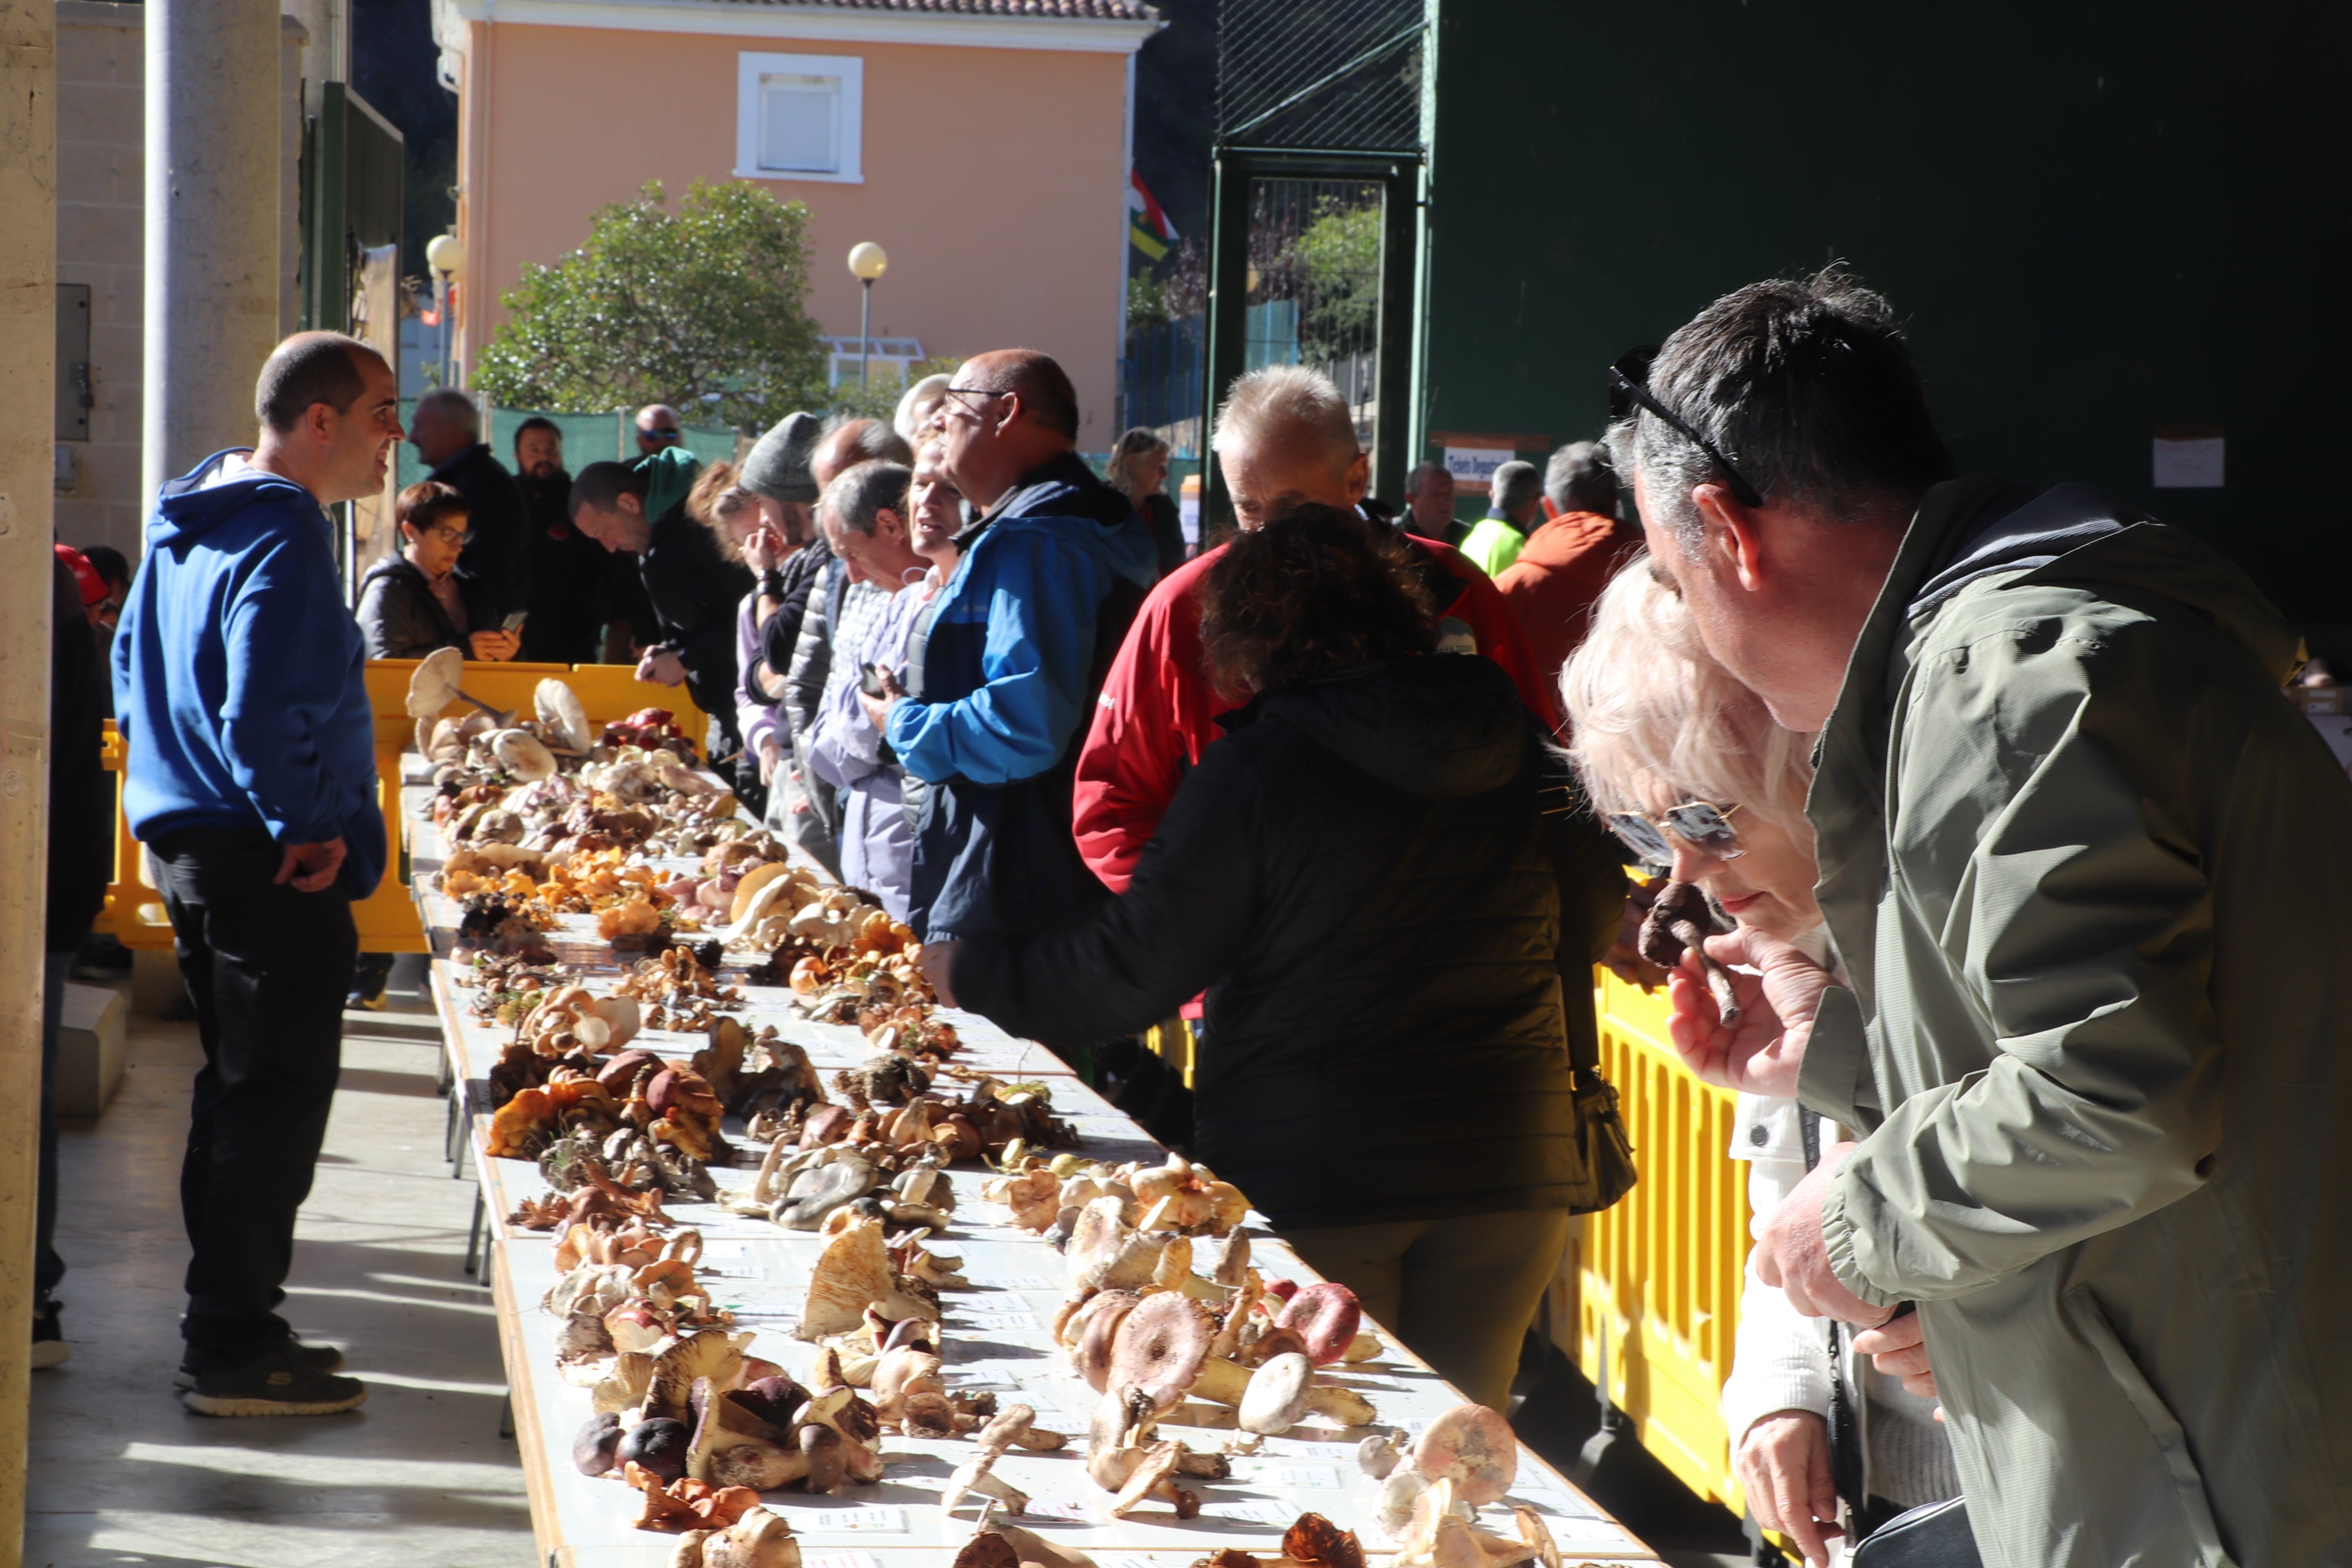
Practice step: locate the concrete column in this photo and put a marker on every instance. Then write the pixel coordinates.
(28, 303)
(212, 225)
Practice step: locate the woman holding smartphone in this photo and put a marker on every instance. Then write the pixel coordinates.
(413, 603)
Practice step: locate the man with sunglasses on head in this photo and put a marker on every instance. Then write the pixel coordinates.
(658, 430)
(2061, 802)
(1005, 662)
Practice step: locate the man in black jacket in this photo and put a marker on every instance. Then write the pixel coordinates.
(448, 434)
(564, 568)
(640, 509)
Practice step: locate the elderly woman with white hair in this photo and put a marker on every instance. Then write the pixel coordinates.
(1689, 769)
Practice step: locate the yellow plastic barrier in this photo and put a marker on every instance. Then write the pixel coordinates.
(1173, 1042)
(1660, 1274)
(386, 918)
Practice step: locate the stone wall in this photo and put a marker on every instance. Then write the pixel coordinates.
(101, 128)
(102, 196)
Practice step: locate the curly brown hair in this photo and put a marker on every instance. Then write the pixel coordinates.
(1311, 593)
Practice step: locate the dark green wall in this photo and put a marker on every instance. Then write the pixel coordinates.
(2099, 219)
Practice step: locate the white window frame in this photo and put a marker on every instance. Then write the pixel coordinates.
(848, 69)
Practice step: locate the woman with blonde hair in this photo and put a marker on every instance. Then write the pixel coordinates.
(1687, 767)
(1137, 470)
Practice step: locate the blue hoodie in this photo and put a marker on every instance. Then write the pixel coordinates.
(1007, 664)
(239, 676)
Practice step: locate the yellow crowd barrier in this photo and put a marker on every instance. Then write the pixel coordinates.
(386, 918)
(1659, 1274)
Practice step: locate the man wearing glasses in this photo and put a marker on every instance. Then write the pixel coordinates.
(2060, 807)
(1005, 664)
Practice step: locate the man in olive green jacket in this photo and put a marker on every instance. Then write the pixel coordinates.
(2086, 866)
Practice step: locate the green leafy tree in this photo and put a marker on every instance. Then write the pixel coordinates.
(701, 309)
(1340, 254)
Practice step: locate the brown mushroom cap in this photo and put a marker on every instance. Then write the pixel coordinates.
(1159, 1347)
(1471, 1446)
(827, 1455)
(1097, 1330)
(1157, 1465)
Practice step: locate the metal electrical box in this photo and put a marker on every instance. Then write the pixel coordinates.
(75, 397)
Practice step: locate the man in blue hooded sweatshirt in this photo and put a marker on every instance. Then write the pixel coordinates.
(238, 679)
(1005, 664)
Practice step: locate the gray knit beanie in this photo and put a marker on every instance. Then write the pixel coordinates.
(778, 464)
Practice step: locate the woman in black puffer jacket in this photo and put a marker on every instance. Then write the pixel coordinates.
(414, 602)
(1391, 928)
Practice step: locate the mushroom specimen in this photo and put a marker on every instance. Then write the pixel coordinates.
(1158, 1349)
(562, 719)
(1682, 919)
(852, 1274)
(1326, 1316)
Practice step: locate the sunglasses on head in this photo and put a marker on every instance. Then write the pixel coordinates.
(1629, 385)
(1702, 825)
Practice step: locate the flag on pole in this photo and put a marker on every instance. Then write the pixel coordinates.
(1147, 227)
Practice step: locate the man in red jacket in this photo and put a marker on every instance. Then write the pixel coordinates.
(1284, 437)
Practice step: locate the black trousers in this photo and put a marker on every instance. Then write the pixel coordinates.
(268, 969)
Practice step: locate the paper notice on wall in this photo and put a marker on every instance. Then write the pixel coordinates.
(1476, 466)
(2189, 462)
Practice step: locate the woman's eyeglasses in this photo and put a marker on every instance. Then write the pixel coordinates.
(1629, 381)
(456, 536)
(1703, 825)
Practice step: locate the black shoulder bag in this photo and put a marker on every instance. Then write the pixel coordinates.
(1604, 1153)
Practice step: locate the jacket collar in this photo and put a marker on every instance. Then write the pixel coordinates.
(1850, 757)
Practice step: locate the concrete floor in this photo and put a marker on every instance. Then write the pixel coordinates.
(121, 1474)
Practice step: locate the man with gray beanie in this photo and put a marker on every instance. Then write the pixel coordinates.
(777, 471)
(1517, 507)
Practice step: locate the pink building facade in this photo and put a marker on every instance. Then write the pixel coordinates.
(984, 144)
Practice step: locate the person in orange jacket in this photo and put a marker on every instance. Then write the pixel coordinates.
(1564, 565)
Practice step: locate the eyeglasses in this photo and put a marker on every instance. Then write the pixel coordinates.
(453, 535)
(972, 391)
(1628, 385)
(1703, 826)
(662, 433)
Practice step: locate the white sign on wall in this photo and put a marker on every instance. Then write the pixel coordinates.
(1476, 464)
(2188, 463)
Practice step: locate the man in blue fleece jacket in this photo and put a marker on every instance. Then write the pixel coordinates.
(1005, 664)
(238, 680)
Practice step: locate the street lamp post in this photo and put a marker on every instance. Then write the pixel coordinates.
(867, 262)
(446, 256)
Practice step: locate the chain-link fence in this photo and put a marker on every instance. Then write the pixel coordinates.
(1325, 74)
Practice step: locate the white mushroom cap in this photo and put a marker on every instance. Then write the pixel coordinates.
(1277, 1395)
(558, 706)
(520, 753)
(434, 685)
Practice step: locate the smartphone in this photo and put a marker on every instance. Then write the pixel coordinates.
(869, 679)
(515, 621)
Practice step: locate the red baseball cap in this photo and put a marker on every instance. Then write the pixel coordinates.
(93, 586)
